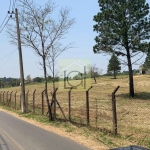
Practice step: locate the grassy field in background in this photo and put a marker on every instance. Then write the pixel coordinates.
(133, 113)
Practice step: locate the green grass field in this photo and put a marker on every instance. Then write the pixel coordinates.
(133, 114)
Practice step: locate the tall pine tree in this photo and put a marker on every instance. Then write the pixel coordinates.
(123, 28)
(114, 65)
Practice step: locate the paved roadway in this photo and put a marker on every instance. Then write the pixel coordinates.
(16, 134)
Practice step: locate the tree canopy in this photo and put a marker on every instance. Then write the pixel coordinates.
(123, 28)
(114, 65)
(122, 24)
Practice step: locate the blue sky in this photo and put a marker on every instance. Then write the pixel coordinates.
(81, 34)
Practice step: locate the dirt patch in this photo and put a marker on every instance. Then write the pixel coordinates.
(61, 131)
(136, 76)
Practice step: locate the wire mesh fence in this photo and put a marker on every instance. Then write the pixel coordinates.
(132, 113)
(80, 107)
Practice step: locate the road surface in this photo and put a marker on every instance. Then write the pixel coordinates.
(16, 134)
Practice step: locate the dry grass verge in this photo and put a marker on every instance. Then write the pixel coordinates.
(133, 113)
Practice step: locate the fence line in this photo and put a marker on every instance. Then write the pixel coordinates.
(90, 111)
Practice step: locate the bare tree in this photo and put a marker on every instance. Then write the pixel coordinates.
(94, 71)
(54, 52)
(41, 32)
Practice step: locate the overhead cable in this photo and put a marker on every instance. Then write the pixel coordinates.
(7, 60)
(8, 55)
(4, 20)
(5, 24)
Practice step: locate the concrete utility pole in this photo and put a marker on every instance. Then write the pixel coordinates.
(23, 100)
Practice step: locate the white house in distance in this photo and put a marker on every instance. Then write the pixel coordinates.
(142, 71)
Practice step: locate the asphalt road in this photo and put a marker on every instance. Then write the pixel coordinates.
(16, 134)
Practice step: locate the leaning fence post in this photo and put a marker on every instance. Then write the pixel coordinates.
(114, 112)
(54, 102)
(10, 98)
(43, 102)
(54, 96)
(15, 100)
(69, 102)
(34, 101)
(87, 106)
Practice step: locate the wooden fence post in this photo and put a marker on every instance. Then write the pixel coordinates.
(114, 112)
(27, 101)
(69, 103)
(10, 99)
(7, 101)
(34, 101)
(87, 106)
(43, 103)
(15, 99)
(20, 100)
(0, 97)
(3, 98)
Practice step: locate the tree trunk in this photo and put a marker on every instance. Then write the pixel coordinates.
(53, 76)
(46, 90)
(114, 74)
(54, 107)
(131, 85)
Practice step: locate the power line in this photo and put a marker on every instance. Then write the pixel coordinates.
(14, 5)
(3, 20)
(14, 2)
(9, 5)
(7, 60)
(5, 24)
(8, 55)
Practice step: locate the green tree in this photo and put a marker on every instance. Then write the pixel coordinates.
(28, 78)
(114, 65)
(37, 79)
(12, 82)
(49, 78)
(1, 83)
(123, 28)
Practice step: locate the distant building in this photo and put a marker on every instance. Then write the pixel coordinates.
(143, 71)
